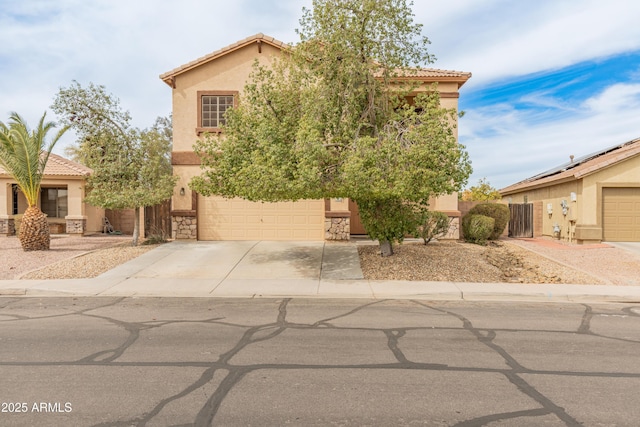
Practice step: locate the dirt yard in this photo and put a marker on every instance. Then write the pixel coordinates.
(69, 257)
(503, 261)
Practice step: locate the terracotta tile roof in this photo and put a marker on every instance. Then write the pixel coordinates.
(434, 75)
(578, 168)
(429, 74)
(435, 72)
(59, 166)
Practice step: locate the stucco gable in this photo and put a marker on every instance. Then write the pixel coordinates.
(579, 168)
(257, 38)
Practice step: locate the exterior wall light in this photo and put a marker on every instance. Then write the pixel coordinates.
(182, 191)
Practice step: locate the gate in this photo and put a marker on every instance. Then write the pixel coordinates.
(521, 220)
(157, 219)
(356, 223)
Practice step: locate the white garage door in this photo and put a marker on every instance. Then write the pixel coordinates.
(238, 219)
(621, 214)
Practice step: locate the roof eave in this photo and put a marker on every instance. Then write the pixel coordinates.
(169, 76)
(594, 169)
(515, 189)
(436, 79)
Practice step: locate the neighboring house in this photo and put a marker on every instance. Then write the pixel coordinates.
(61, 199)
(202, 91)
(589, 199)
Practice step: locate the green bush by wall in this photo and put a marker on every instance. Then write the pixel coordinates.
(477, 228)
(499, 212)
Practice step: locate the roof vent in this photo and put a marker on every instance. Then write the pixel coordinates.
(571, 158)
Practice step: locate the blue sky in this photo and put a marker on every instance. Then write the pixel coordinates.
(551, 78)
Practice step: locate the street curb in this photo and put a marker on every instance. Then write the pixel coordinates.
(376, 290)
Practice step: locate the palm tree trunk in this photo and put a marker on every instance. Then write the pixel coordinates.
(34, 230)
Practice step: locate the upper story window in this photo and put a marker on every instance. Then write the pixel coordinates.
(212, 106)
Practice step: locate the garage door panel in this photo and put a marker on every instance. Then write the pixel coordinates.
(625, 221)
(621, 214)
(625, 206)
(267, 219)
(284, 220)
(237, 219)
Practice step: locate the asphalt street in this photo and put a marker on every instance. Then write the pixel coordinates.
(111, 361)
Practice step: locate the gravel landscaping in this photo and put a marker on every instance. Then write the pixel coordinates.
(498, 262)
(539, 260)
(69, 257)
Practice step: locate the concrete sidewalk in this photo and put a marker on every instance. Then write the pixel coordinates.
(287, 269)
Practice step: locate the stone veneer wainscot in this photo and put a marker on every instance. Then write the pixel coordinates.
(184, 227)
(337, 227)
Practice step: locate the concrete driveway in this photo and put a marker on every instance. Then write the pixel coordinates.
(240, 264)
(633, 247)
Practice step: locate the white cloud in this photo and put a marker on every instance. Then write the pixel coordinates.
(501, 38)
(617, 98)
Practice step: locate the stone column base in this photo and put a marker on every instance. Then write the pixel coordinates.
(7, 226)
(337, 226)
(76, 225)
(184, 227)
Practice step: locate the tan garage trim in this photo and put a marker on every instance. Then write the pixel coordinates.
(621, 214)
(239, 219)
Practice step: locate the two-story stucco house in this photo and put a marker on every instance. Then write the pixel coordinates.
(202, 91)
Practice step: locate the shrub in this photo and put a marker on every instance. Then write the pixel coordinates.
(432, 224)
(498, 211)
(477, 228)
(155, 237)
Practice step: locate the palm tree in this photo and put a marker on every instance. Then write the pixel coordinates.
(23, 155)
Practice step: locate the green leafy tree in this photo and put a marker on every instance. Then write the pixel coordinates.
(131, 167)
(333, 118)
(24, 154)
(482, 192)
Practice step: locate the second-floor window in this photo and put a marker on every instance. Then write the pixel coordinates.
(212, 108)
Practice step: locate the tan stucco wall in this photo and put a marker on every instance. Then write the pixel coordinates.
(185, 174)
(94, 218)
(227, 73)
(554, 195)
(5, 197)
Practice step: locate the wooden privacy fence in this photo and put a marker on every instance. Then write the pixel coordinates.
(157, 219)
(521, 221)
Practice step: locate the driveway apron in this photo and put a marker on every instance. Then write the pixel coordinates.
(230, 265)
